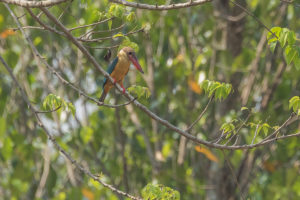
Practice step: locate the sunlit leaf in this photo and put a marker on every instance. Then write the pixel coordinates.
(244, 108)
(139, 91)
(88, 194)
(193, 85)
(6, 33)
(159, 192)
(207, 153)
(294, 103)
(118, 35)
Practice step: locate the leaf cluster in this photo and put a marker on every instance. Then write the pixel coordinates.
(53, 101)
(287, 40)
(139, 91)
(159, 192)
(221, 90)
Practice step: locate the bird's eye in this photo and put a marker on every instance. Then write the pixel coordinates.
(130, 53)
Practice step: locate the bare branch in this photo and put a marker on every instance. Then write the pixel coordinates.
(93, 24)
(33, 4)
(108, 47)
(116, 106)
(29, 27)
(110, 37)
(43, 24)
(160, 7)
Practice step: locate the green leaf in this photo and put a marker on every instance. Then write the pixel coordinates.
(290, 54)
(272, 46)
(131, 17)
(109, 23)
(228, 127)
(52, 102)
(118, 35)
(127, 43)
(139, 91)
(7, 148)
(244, 108)
(266, 128)
(294, 103)
(283, 37)
(71, 107)
(291, 38)
(221, 90)
(86, 134)
(2, 127)
(159, 192)
(275, 32)
(116, 10)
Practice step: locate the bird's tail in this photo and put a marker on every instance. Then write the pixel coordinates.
(103, 95)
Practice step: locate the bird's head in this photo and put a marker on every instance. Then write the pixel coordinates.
(130, 54)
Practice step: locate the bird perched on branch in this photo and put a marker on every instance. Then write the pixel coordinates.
(119, 68)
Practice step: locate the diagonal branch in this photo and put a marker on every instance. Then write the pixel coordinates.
(33, 4)
(56, 145)
(160, 7)
(141, 106)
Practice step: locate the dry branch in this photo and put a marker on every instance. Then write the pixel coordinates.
(160, 7)
(33, 4)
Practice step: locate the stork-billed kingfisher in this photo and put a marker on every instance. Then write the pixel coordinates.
(119, 68)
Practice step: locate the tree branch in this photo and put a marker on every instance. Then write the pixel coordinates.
(93, 24)
(139, 105)
(33, 4)
(160, 7)
(56, 145)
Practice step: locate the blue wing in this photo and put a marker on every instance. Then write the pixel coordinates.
(110, 69)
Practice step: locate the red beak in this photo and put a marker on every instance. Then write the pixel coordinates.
(136, 63)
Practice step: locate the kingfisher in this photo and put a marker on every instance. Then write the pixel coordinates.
(119, 68)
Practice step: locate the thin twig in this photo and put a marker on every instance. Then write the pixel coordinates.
(255, 18)
(33, 4)
(109, 37)
(108, 47)
(43, 24)
(201, 114)
(233, 174)
(160, 7)
(116, 106)
(65, 10)
(256, 130)
(281, 127)
(29, 27)
(93, 24)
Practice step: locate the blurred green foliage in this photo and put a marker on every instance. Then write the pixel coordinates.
(178, 50)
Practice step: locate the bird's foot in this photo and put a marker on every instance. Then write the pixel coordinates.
(123, 90)
(115, 81)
